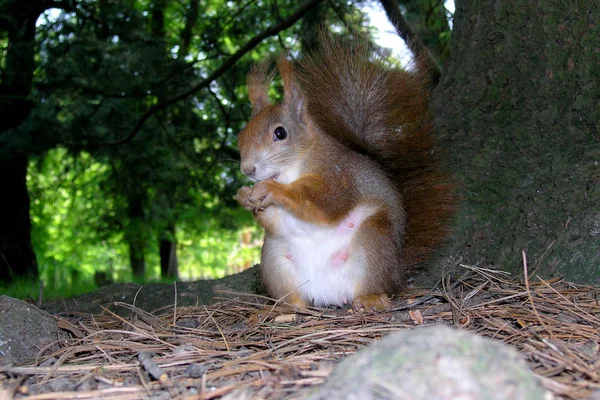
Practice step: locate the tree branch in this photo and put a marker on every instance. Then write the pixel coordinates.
(408, 35)
(227, 64)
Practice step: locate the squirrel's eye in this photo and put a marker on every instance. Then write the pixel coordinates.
(279, 133)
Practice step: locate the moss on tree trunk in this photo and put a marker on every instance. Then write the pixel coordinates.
(518, 111)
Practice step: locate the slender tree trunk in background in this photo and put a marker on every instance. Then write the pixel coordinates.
(519, 116)
(430, 23)
(136, 258)
(105, 26)
(168, 254)
(136, 231)
(406, 32)
(17, 258)
(167, 243)
(158, 19)
(135, 236)
(186, 34)
(311, 23)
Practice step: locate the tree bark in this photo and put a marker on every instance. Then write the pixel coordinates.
(413, 41)
(168, 254)
(135, 236)
(191, 18)
(519, 118)
(430, 22)
(17, 258)
(158, 20)
(167, 244)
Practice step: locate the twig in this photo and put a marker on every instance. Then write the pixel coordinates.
(531, 298)
(154, 370)
(136, 294)
(219, 328)
(175, 304)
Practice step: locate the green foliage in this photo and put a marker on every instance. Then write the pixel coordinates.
(205, 255)
(75, 236)
(94, 84)
(3, 47)
(99, 186)
(71, 233)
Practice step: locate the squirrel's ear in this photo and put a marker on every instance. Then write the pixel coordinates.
(258, 81)
(293, 99)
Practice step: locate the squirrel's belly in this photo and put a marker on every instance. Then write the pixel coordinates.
(328, 262)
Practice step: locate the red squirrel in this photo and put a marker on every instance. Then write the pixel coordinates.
(348, 187)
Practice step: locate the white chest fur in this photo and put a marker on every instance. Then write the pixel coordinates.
(326, 263)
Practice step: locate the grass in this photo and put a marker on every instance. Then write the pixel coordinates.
(29, 289)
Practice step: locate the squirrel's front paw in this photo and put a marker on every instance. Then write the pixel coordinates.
(261, 196)
(243, 197)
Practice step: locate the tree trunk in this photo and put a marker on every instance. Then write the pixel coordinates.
(413, 41)
(168, 254)
(430, 22)
(158, 19)
(136, 238)
(519, 116)
(191, 18)
(17, 258)
(167, 244)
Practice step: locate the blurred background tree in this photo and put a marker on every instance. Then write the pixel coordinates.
(119, 122)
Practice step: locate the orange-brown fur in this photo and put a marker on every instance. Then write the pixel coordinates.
(360, 146)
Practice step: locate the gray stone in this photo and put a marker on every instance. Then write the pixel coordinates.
(433, 363)
(24, 330)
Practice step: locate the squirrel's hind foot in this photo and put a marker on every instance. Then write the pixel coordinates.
(371, 302)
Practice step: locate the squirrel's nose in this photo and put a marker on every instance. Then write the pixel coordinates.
(249, 170)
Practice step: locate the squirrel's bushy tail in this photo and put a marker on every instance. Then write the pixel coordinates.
(355, 95)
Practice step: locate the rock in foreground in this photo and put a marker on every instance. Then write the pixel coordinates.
(434, 362)
(24, 330)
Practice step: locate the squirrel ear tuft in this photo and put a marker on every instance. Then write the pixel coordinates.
(293, 98)
(258, 81)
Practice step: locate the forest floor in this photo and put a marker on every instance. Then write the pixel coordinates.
(217, 351)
